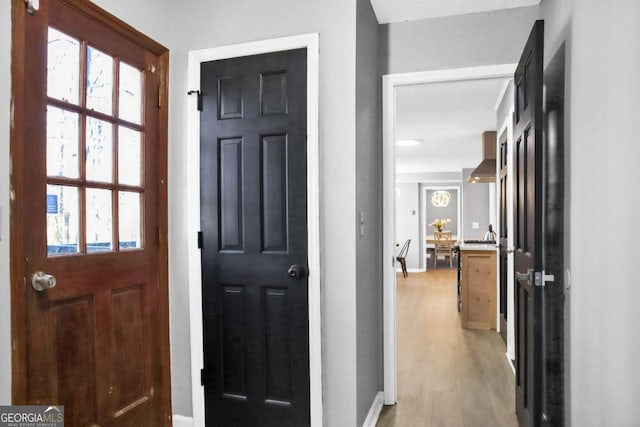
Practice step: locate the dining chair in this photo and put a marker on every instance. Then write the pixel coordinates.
(402, 257)
(443, 246)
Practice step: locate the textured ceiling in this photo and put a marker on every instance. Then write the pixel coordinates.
(449, 118)
(412, 10)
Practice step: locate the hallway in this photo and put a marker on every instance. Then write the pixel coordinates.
(447, 376)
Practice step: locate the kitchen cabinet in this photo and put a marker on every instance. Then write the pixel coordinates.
(478, 286)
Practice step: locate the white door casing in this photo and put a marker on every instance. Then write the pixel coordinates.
(389, 84)
(507, 127)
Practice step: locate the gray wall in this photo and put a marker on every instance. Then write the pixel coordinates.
(602, 106)
(458, 41)
(5, 295)
(408, 221)
(434, 178)
(453, 42)
(475, 207)
(369, 202)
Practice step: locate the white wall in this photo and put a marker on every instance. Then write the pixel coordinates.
(475, 207)
(457, 41)
(602, 110)
(148, 16)
(5, 295)
(434, 178)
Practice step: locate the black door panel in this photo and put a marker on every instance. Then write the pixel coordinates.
(254, 227)
(528, 228)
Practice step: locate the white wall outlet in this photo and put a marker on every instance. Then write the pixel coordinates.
(475, 225)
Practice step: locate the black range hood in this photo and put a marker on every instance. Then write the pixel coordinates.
(486, 170)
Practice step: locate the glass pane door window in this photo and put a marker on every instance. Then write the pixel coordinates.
(95, 149)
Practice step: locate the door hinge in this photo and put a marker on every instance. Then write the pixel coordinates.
(541, 278)
(32, 5)
(200, 239)
(159, 97)
(158, 237)
(199, 94)
(206, 376)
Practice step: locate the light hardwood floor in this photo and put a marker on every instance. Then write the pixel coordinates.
(447, 376)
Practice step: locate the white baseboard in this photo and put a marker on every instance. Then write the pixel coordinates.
(374, 411)
(513, 368)
(370, 421)
(182, 421)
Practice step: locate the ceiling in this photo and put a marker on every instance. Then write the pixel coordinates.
(449, 118)
(388, 11)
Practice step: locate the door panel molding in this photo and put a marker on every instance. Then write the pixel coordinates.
(389, 84)
(529, 227)
(507, 127)
(310, 42)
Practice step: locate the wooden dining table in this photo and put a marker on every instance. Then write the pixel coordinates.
(431, 240)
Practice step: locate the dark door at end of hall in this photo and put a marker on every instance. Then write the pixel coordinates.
(528, 229)
(539, 234)
(254, 240)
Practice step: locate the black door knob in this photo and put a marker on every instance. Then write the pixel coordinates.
(296, 271)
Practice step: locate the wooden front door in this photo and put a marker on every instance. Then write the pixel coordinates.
(528, 212)
(88, 215)
(254, 240)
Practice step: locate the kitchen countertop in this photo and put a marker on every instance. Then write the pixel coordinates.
(478, 246)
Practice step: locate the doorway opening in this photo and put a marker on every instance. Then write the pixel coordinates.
(409, 176)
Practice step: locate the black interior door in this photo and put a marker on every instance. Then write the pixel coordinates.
(528, 212)
(554, 235)
(254, 240)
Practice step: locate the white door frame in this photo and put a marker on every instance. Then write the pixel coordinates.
(310, 42)
(389, 84)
